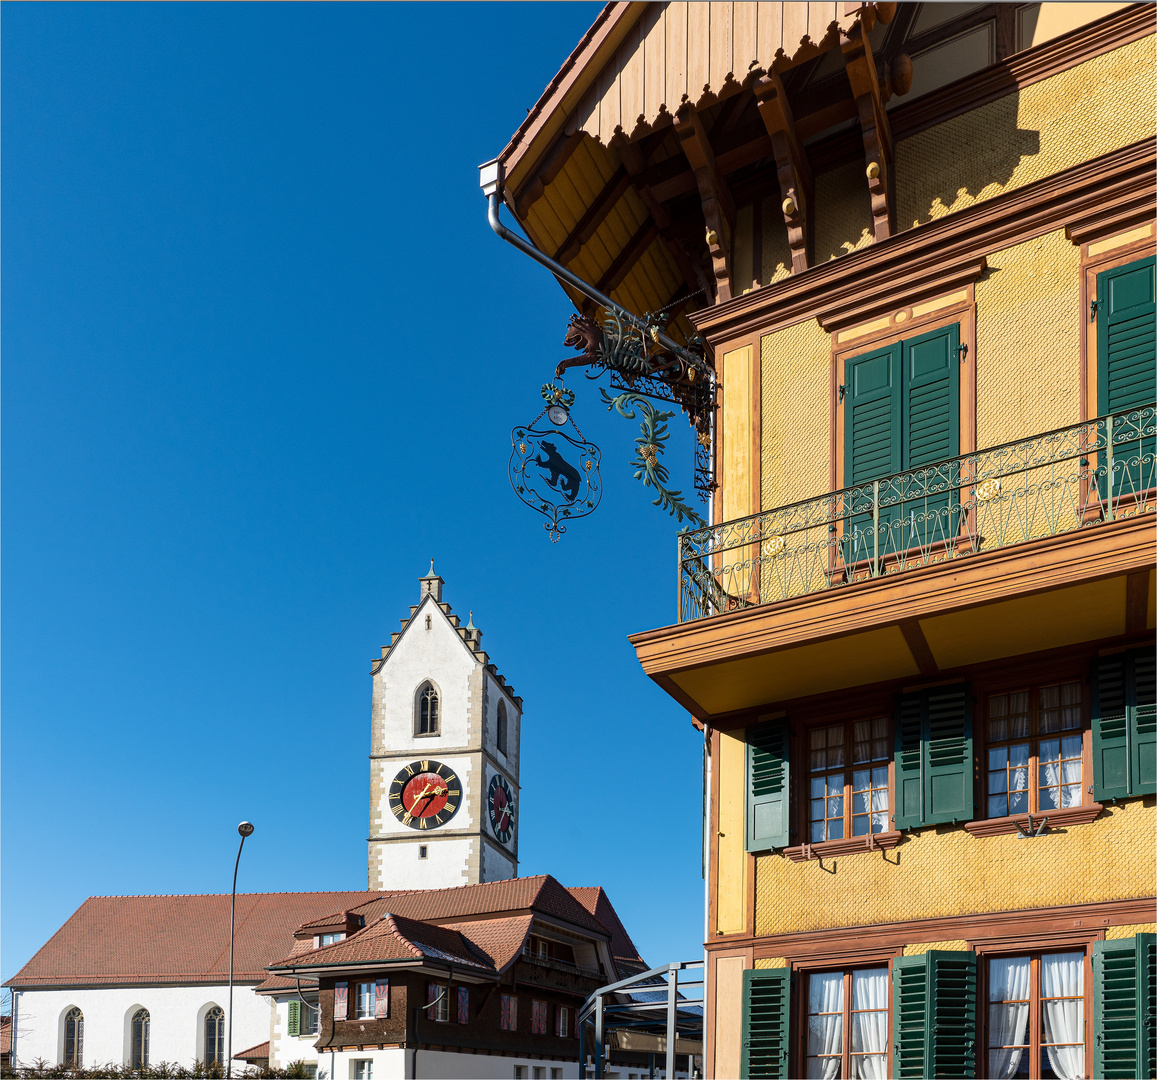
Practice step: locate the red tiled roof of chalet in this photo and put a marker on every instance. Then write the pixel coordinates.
(260, 1052)
(599, 905)
(174, 939)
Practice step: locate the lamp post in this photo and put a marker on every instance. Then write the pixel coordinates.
(244, 829)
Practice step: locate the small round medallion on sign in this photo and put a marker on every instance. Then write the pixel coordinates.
(557, 414)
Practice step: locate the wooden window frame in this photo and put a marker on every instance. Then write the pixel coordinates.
(848, 768)
(1034, 950)
(801, 1012)
(440, 1013)
(357, 1011)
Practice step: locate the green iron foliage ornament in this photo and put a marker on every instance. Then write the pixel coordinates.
(649, 445)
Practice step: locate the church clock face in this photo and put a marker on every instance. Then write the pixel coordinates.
(425, 794)
(501, 802)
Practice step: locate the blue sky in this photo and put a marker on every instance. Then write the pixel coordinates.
(262, 355)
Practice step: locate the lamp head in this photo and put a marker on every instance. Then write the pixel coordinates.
(245, 829)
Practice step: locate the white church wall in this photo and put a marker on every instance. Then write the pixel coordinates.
(509, 759)
(445, 865)
(439, 1065)
(438, 654)
(175, 1021)
(494, 866)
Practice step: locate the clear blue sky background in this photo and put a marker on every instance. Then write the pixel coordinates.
(262, 355)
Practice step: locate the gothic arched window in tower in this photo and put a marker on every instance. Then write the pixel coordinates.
(501, 733)
(427, 718)
(74, 1039)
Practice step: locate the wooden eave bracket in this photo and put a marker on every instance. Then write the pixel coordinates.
(874, 126)
(714, 195)
(795, 178)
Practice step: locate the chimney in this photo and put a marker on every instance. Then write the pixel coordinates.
(431, 585)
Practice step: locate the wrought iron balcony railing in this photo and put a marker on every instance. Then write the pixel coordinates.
(1050, 484)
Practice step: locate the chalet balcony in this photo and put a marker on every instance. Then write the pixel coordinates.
(915, 573)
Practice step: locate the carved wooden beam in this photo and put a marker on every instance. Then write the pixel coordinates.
(714, 196)
(627, 258)
(874, 127)
(594, 216)
(795, 176)
(546, 171)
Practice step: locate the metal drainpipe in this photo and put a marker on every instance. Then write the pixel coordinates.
(492, 178)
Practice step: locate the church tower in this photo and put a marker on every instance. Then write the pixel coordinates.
(444, 755)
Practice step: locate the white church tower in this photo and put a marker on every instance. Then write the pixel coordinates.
(444, 755)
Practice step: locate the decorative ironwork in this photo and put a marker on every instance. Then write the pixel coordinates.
(648, 446)
(550, 470)
(1061, 481)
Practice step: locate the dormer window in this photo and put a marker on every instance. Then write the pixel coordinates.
(329, 939)
(427, 711)
(501, 733)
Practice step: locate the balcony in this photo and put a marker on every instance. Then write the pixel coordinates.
(912, 568)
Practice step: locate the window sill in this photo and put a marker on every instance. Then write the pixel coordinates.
(1057, 819)
(827, 849)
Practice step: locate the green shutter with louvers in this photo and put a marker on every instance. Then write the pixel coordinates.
(293, 1026)
(910, 1018)
(909, 726)
(930, 437)
(934, 1015)
(1125, 1007)
(766, 1023)
(933, 755)
(1127, 363)
(1124, 725)
(768, 754)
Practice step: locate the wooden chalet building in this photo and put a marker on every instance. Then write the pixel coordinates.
(918, 635)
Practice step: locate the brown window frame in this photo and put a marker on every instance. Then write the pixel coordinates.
(1032, 682)
(850, 767)
(1034, 952)
(804, 1011)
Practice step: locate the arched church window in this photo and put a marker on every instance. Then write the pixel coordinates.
(140, 1039)
(502, 727)
(74, 1039)
(215, 1036)
(428, 711)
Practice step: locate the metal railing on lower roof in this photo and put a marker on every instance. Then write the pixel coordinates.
(1076, 477)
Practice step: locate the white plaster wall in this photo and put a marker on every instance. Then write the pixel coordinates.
(175, 1013)
(437, 1065)
(463, 819)
(444, 867)
(438, 654)
(283, 1047)
(494, 866)
(509, 760)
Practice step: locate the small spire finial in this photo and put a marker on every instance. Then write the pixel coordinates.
(470, 623)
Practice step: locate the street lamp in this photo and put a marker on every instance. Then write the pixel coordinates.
(243, 830)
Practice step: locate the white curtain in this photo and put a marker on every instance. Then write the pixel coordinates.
(825, 1033)
(1007, 1015)
(1062, 976)
(870, 1024)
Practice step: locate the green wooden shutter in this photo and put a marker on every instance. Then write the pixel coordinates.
(872, 428)
(952, 1013)
(910, 1023)
(930, 435)
(948, 755)
(909, 725)
(1126, 364)
(766, 1023)
(1143, 725)
(293, 1027)
(768, 753)
(1110, 729)
(1125, 1007)
(934, 768)
(934, 1015)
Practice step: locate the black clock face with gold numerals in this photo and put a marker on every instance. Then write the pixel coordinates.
(501, 801)
(425, 794)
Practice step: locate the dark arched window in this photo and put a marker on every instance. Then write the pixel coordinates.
(140, 1037)
(74, 1039)
(502, 727)
(427, 718)
(215, 1036)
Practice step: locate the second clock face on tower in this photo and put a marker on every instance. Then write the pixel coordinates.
(500, 800)
(425, 794)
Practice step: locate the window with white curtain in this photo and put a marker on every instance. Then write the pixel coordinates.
(848, 779)
(847, 1024)
(1036, 1016)
(1035, 748)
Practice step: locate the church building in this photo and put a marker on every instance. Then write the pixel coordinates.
(448, 964)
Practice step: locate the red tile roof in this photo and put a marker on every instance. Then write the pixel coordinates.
(174, 939)
(260, 1052)
(5, 1034)
(599, 905)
